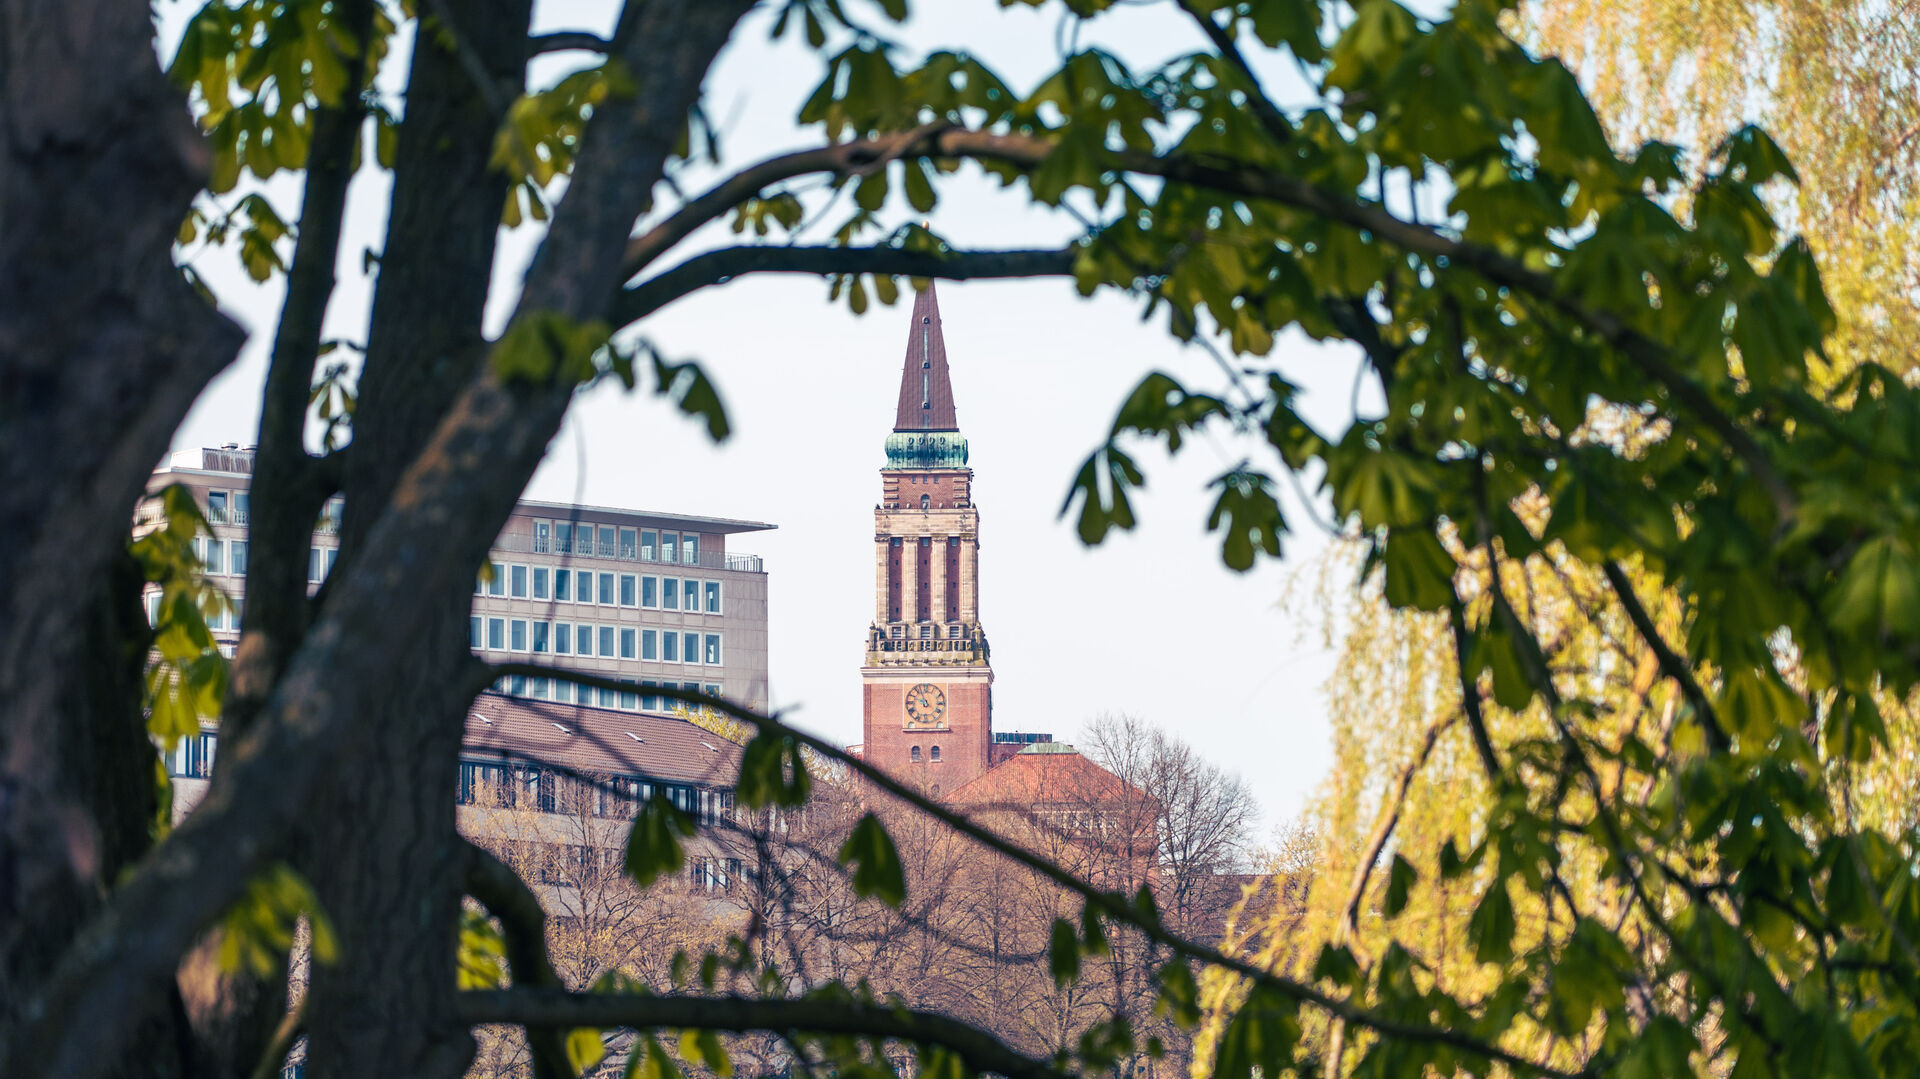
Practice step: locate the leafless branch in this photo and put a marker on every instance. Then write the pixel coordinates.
(556, 1008)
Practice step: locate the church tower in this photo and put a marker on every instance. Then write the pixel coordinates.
(928, 684)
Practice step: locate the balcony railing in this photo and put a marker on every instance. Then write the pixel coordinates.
(522, 544)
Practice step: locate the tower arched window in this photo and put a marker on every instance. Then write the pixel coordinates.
(935, 751)
(916, 753)
(926, 502)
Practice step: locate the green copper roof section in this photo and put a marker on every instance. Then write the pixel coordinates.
(930, 449)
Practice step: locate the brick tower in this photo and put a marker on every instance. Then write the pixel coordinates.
(928, 686)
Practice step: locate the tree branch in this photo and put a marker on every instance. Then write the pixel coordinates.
(1272, 120)
(847, 158)
(538, 1008)
(284, 1035)
(716, 267)
(1027, 151)
(1112, 905)
(507, 897)
(567, 41)
(1674, 667)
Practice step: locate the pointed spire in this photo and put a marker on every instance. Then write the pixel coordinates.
(926, 393)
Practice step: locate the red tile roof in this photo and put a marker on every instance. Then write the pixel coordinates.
(667, 749)
(926, 391)
(1040, 775)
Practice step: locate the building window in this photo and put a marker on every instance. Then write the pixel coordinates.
(562, 691)
(629, 699)
(670, 647)
(649, 700)
(517, 685)
(606, 640)
(562, 638)
(562, 579)
(649, 544)
(583, 639)
(217, 507)
(926, 502)
(476, 632)
(692, 602)
(583, 586)
(537, 688)
(629, 547)
(934, 752)
(606, 541)
(518, 575)
(669, 547)
(926, 631)
(238, 564)
(713, 597)
(216, 556)
(690, 549)
(542, 537)
(540, 637)
(240, 507)
(713, 649)
(606, 589)
(331, 513)
(690, 648)
(496, 579)
(517, 633)
(313, 565)
(563, 532)
(628, 591)
(670, 593)
(497, 634)
(649, 592)
(916, 753)
(607, 698)
(333, 555)
(627, 649)
(710, 690)
(153, 607)
(649, 644)
(540, 577)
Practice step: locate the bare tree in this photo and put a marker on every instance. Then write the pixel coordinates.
(1203, 818)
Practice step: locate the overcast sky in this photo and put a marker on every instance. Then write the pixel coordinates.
(1150, 623)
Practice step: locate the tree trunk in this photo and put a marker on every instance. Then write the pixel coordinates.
(387, 862)
(103, 346)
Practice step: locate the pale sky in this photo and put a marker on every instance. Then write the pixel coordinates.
(1150, 623)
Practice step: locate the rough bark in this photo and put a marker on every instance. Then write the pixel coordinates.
(103, 346)
(393, 888)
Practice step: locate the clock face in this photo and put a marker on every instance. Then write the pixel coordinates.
(926, 705)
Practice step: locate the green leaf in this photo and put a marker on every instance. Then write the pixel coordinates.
(1492, 926)
(1401, 877)
(1248, 518)
(1260, 1038)
(257, 931)
(585, 1048)
(877, 871)
(1419, 571)
(688, 387)
(653, 847)
(703, 1047)
(1063, 953)
(1101, 486)
(772, 772)
(1754, 158)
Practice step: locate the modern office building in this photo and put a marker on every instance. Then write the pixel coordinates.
(649, 598)
(652, 599)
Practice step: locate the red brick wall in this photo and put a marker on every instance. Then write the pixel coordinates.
(963, 744)
(944, 490)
